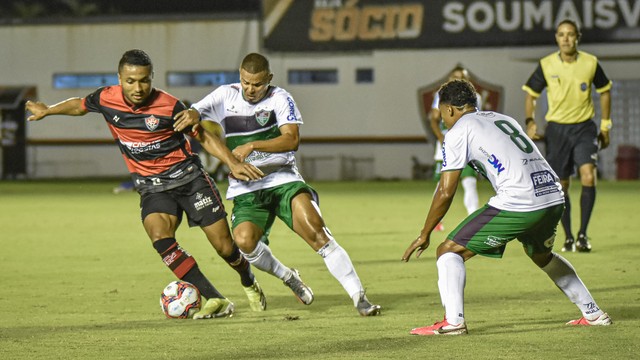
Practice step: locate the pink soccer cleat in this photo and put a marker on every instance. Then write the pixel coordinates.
(441, 328)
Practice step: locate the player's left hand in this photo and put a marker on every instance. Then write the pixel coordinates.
(421, 243)
(603, 140)
(186, 118)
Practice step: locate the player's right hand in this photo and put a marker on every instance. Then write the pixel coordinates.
(186, 118)
(421, 243)
(245, 172)
(37, 109)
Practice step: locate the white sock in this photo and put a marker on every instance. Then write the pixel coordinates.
(566, 278)
(470, 193)
(452, 277)
(340, 266)
(262, 258)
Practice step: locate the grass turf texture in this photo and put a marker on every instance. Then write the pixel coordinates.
(81, 280)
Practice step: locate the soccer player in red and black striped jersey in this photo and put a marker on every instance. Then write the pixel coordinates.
(167, 174)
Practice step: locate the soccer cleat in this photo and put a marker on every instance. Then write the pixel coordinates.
(300, 290)
(439, 227)
(215, 308)
(441, 328)
(257, 300)
(602, 320)
(365, 308)
(569, 245)
(583, 244)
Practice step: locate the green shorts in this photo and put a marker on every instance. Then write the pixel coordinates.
(262, 206)
(466, 172)
(488, 230)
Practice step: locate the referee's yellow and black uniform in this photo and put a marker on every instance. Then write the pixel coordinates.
(571, 133)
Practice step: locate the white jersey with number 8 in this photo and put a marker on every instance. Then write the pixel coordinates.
(496, 146)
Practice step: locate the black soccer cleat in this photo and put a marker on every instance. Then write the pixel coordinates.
(583, 245)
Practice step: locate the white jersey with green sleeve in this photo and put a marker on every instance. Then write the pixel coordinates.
(244, 122)
(437, 156)
(496, 146)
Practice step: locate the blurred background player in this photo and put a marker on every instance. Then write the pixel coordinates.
(469, 177)
(167, 174)
(261, 124)
(527, 206)
(571, 136)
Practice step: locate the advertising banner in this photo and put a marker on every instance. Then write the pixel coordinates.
(355, 25)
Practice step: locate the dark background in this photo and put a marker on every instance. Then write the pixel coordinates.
(47, 11)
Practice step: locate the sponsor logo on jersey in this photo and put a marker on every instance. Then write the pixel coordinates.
(203, 201)
(262, 117)
(292, 110)
(583, 87)
(527, 161)
(495, 162)
(116, 118)
(138, 147)
(444, 156)
(544, 182)
(152, 122)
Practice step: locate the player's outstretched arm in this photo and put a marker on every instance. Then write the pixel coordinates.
(442, 200)
(214, 146)
(39, 110)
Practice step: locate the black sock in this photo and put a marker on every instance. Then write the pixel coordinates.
(566, 217)
(241, 265)
(163, 245)
(206, 288)
(587, 201)
(185, 267)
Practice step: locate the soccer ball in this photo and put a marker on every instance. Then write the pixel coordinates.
(180, 300)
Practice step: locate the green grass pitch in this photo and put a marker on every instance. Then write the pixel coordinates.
(80, 280)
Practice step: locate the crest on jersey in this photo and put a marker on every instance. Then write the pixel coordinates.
(262, 117)
(152, 122)
(492, 95)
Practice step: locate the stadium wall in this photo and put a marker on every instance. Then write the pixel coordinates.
(386, 108)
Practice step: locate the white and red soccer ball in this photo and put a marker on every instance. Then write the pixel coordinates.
(180, 300)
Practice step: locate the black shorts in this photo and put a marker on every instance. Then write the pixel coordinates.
(199, 199)
(570, 146)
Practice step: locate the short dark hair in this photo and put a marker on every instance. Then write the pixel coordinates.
(458, 93)
(135, 57)
(255, 63)
(572, 23)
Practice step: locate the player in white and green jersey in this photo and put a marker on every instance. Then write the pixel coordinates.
(261, 125)
(527, 206)
(468, 178)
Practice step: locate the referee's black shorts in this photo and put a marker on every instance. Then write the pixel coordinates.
(570, 146)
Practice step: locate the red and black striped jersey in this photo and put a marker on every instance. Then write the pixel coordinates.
(157, 157)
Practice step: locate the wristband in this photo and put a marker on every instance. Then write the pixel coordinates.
(528, 120)
(605, 124)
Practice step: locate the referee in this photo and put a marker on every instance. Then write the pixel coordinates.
(571, 136)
